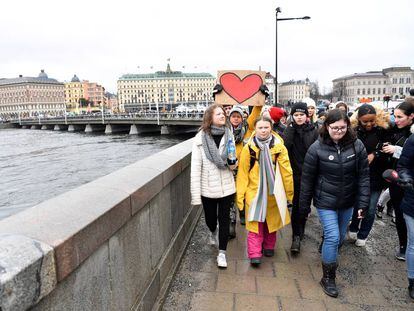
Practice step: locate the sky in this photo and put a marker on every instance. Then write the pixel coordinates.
(100, 41)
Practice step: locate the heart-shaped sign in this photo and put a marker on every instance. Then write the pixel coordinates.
(240, 89)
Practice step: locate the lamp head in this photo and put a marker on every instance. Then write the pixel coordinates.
(306, 17)
(278, 10)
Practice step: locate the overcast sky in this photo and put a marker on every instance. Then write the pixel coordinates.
(101, 40)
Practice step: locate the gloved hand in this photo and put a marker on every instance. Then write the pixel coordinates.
(265, 91)
(217, 89)
(406, 183)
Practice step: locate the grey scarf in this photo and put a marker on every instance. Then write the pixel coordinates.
(210, 148)
(258, 207)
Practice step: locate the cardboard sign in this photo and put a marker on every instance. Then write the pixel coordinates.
(241, 87)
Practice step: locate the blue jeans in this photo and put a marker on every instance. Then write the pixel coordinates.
(334, 224)
(364, 226)
(409, 253)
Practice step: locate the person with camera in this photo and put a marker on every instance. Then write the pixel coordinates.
(405, 169)
(212, 183)
(370, 127)
(404, 115)
(335, 175)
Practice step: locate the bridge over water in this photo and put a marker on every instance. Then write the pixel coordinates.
(163, 122)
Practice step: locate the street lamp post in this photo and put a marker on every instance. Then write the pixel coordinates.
(279, 10)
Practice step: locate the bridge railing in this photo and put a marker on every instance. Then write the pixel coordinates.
(111, 244)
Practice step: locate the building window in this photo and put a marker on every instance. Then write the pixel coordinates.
(368, 91)
(401, 90)
(363, 91)
(373, 91)
(379, 91)
(383, 90)
(408, 80)
(401, 80)
(394, 90)
(394, 80)
(407, 89)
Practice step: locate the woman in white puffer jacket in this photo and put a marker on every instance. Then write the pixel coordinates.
(212, 181)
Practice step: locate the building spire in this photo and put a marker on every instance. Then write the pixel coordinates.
(168, 68)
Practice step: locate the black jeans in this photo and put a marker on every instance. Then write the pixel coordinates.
(298, 224)
(397, 194)
(218, 209)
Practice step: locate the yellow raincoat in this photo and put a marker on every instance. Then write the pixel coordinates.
(247, 184)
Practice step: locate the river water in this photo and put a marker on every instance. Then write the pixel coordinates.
(37, 165)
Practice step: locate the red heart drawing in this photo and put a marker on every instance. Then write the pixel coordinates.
(241, 89)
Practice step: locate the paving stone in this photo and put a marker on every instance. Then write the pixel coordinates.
(293, 271)
(277, 287)
(207, 301)
(363, 295)
(236, 283)
(290, 304)
(245, 302)
(244, 268)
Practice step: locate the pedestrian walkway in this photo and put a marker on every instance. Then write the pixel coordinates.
(368, 278)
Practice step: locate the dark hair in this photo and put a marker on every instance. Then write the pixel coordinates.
(208, 117)
(342, 104)
(333, 116)
(262, 118)
(406, 107)
(366, 109)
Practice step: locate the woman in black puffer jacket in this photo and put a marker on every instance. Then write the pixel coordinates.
(335, 175)
(298, 136)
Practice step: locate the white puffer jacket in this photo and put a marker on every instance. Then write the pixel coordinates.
(206, 179)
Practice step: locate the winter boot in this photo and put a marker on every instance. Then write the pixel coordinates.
(411, 288)
(232, 230)
(328, 280)
(295, 248)
(242, 218)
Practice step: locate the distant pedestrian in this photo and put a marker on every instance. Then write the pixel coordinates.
(335, 175)
(212, 182)
(310, 103)
(370, 127)
(242, 129)
(298, 136)
(341, 105)
(275, 114)
(404, 116)
(264, 182)
(405, 168)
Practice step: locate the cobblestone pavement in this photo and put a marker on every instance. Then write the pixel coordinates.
(368, 278)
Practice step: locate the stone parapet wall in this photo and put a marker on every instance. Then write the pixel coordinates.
(111, 244)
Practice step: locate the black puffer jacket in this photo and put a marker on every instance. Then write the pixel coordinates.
(298, 139)
(405, 168)
(335, 176)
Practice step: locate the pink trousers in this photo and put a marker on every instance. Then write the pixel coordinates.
(255, 241)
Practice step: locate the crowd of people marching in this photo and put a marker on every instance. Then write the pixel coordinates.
(272, 167)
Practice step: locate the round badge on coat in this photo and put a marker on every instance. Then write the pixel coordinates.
(331, 157)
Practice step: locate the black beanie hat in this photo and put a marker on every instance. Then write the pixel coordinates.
(299, 107)
(366, 109)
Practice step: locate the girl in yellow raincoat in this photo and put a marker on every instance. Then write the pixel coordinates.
(265, 182)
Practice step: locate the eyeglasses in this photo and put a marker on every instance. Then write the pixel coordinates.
(338, 128)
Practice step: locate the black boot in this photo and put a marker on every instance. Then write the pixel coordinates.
(232, 230)
(411, 288)
(295, 248)
(242, 217)
(328, 280)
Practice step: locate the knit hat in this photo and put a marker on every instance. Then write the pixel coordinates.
(236, 109)
(299, 107)
(276, 113)
(366, 109)
(309, 102)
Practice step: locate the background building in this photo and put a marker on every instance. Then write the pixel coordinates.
(374, 85)
(163, 88)
(84, 96)
(31, 96)
(293, 91)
